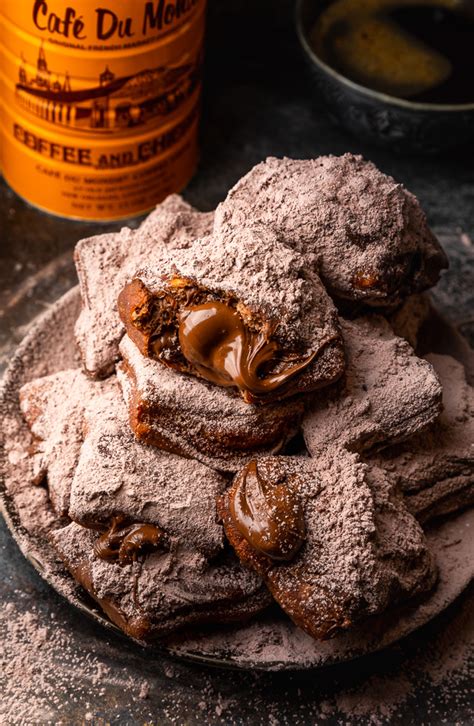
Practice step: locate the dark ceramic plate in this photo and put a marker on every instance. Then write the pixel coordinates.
(270, 642)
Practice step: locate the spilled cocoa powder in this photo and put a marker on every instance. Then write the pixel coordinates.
(41, 669)
(49, 676)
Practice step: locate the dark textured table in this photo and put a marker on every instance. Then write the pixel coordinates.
(258, 102)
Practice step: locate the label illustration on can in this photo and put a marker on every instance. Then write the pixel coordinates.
(100, 130)
(113, 102)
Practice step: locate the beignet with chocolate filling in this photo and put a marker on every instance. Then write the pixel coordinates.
(191, 417)
(331, 538)
(368, 233)
(162, 585)
(118, 478)
(104, 263)
(245, 314)
(435, 469)
(386, 394)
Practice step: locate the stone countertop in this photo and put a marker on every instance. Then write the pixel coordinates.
(258, 102)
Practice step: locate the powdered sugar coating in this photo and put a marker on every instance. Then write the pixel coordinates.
(273, 282)
(116, 475)
(198, 419)
(53, 408)
(105, 261)
(435, 469)
(386, 395)
(164, 592)
(357, 221)
(363, 552)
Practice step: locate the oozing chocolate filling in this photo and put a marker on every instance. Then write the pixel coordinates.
(215, 341)
(269, 516)
(186, 327)
(126, 543)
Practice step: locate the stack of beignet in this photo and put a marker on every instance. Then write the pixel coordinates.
(212, 344)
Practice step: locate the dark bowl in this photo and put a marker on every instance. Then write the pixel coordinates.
(377, 117)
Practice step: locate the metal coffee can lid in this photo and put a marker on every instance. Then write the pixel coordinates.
(100, 102)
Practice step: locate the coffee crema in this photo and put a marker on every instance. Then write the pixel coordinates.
(215, 340)
(269, 516)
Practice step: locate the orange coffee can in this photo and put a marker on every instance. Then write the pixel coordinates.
(100, 102)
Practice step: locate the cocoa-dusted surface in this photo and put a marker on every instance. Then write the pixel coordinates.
(53, 407)
(363, 552)
(386, 393)
(369, 235)
(435, 468)
(104, 263)
(118, 476)
(167, 590)
(270, 286)
(256, 92)
(189, 416)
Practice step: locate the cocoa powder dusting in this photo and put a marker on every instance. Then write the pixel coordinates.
(435, 468)
(47, 675)
(386, 394)
(368, 233)
(266, 277)
(105, 261)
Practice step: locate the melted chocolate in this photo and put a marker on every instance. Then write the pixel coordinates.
(126, 543)
(269, 516)
(222, 350)
(365, 280)
(137, 626)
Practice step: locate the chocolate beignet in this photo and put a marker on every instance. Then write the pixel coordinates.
(435, 469)
(331, 537)
(190, 417)
(369, 234)
(163, 589)
(118, 479)
(104, 263)
(386, 395)
(53, 408)
(246, 314)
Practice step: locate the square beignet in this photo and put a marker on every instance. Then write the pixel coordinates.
(368, 234)
(163, 589)
(190, 417)
(331, 537)
(119, 478)
(386, 394)
(245, 313)
(53, 408)
(104, 263)
(435, 469)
